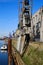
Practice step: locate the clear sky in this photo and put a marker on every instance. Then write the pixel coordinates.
(9, 14)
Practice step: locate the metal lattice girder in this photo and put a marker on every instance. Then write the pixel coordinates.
(26, 2)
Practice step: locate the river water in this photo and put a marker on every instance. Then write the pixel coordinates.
(3, 55)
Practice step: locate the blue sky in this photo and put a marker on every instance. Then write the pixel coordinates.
(9, 14)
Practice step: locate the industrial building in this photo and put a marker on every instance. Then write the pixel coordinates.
(37, 25)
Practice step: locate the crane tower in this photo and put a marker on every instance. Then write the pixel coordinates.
(25, 14)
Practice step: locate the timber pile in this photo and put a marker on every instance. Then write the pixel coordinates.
(17, 58)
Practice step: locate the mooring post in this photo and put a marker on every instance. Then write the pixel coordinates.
(9, 51)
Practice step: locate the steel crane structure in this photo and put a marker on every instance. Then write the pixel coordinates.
(25, 15)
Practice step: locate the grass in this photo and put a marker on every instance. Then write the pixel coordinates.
(33, 57)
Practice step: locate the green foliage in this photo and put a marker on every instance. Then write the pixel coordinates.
(33, 57)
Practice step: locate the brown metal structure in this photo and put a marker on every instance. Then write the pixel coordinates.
(25, 8)
(25, 16)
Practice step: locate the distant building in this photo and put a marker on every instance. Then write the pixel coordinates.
(37, 25)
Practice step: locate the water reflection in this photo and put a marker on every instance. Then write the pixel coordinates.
(3, 58)
(3, 51)
(3, 55)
